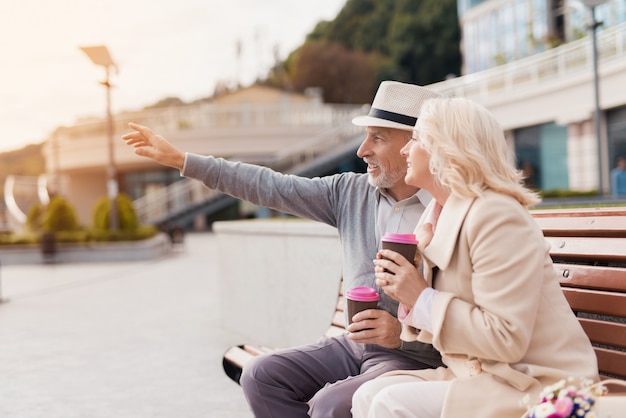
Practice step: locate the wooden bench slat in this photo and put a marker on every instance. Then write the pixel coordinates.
(255, 350)
(577, 212)
(596, 301)
(233, 361)
(611, 363)
(595, 226)
(238, 355)
(340, 304)
(339, 319)
(588, 249)
(594, 277)
(335, 331)
(603, 332)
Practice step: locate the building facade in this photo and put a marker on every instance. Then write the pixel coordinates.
(256, 124)
(531, 63)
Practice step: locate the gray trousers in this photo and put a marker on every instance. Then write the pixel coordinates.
(317, 380)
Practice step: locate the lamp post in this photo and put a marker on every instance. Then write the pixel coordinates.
(592, 4)
(99, 55)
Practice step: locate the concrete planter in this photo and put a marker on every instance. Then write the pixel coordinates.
(92, 252)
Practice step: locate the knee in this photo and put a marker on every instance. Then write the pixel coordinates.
(383, 403)
(362, 399)
(256, 370)
(330, 402)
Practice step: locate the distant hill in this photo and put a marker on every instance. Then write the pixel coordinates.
(27, 161)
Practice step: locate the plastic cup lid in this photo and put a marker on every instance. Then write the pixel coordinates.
(400, 238)
(363, 294)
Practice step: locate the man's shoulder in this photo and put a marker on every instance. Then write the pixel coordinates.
(353, 179)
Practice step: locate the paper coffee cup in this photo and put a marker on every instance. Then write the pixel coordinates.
(405, 244)
(359, 299)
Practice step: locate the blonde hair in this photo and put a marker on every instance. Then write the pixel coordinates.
(468, 150)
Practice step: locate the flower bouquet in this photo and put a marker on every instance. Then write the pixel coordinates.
(571, 398)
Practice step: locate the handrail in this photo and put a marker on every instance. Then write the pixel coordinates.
(15, 213)
(159, 203)
(545, 66)
(37, 191)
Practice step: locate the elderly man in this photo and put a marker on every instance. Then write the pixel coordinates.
(319, 379)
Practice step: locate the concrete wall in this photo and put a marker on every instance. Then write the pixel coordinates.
(279, 279)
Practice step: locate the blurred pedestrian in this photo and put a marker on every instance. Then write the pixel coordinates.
(618, 178)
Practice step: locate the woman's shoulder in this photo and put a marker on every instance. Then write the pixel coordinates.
(491, 198)
(497, 207)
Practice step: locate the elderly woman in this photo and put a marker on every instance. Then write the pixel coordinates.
(489, 298)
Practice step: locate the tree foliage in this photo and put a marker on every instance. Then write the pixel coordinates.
(344, 76)
(415, 41)
(27, 161)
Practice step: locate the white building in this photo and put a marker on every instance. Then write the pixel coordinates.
(257, 124)
(543, 94)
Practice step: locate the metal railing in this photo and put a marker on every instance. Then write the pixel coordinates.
(543, 67)
(20, 192)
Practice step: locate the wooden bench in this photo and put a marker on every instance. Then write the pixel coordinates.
(588, 247)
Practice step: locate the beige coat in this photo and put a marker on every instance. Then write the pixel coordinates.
(500, 319)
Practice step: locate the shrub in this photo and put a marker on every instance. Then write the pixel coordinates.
(567, 193)
(126, 215)
(34, 217)
(60, 216)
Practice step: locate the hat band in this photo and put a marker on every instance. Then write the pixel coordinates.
(392, 116)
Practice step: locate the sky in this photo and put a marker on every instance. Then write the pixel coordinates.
(162, 48)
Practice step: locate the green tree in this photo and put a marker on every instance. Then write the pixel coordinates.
(27, 161)
(344, 76)
(415, 41)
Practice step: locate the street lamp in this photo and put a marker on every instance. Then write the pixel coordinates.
(99, 55)
(592, 4)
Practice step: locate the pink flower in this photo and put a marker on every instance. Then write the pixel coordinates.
(564, 406)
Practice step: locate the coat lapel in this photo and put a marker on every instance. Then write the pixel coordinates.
(443, 243)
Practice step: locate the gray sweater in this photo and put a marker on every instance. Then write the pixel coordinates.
(345, 201)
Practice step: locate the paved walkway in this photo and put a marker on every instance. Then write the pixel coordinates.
(116, 340)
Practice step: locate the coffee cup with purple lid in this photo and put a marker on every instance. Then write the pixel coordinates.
(359, 299)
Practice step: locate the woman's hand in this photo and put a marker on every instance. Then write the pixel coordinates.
(398, 277)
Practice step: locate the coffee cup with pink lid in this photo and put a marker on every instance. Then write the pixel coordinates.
(359, 299)
(405, 244)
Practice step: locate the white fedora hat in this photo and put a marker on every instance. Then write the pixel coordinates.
(396, 105)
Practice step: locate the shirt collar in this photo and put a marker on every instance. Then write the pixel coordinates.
(422, 196)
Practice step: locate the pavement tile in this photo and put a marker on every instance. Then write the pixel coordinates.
(125, 340)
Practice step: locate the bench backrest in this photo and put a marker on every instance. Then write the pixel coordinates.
(588, 247)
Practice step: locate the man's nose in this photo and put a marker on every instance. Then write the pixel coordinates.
(363, 150)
